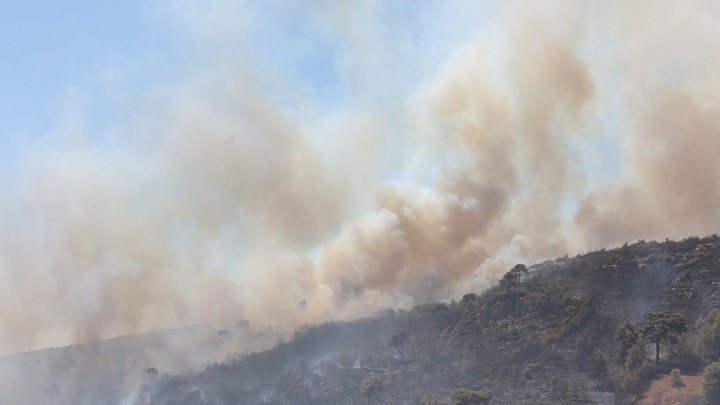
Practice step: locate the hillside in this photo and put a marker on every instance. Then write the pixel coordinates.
(531, 345)
(110, 371)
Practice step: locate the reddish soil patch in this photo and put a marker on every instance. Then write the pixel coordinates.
(662, 392)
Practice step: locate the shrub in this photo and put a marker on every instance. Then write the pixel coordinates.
(676, 378)
(529, 370)
(464, 396)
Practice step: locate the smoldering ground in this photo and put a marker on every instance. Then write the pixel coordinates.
(235, 190)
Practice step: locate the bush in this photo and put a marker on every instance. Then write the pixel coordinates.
(676, 378)
(529, 370)
(464, 396)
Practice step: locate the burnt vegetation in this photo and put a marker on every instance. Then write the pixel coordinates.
(596, 328)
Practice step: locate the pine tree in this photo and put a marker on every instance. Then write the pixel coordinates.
(662, 327)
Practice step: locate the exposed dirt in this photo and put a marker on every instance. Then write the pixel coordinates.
(662, 391)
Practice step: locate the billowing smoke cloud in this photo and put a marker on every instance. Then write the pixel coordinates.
(235, 192)
(670, 99)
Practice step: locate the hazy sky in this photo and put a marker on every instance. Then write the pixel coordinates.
(171, 162)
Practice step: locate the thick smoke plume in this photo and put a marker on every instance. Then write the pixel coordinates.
(234, 192)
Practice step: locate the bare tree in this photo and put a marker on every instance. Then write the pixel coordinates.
(53, 391)
(398, 340)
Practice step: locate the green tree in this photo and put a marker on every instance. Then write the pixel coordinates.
(711, 385)
(710, 336)
(598, 369)
(662, 327)
(511, 279)
(398, 341)
(53, 391)
(372, 387)
(468, 299)
(627, 336)
(635, 358)
(464, 396)
(520, 269)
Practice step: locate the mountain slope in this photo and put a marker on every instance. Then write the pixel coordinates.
(531, 345)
